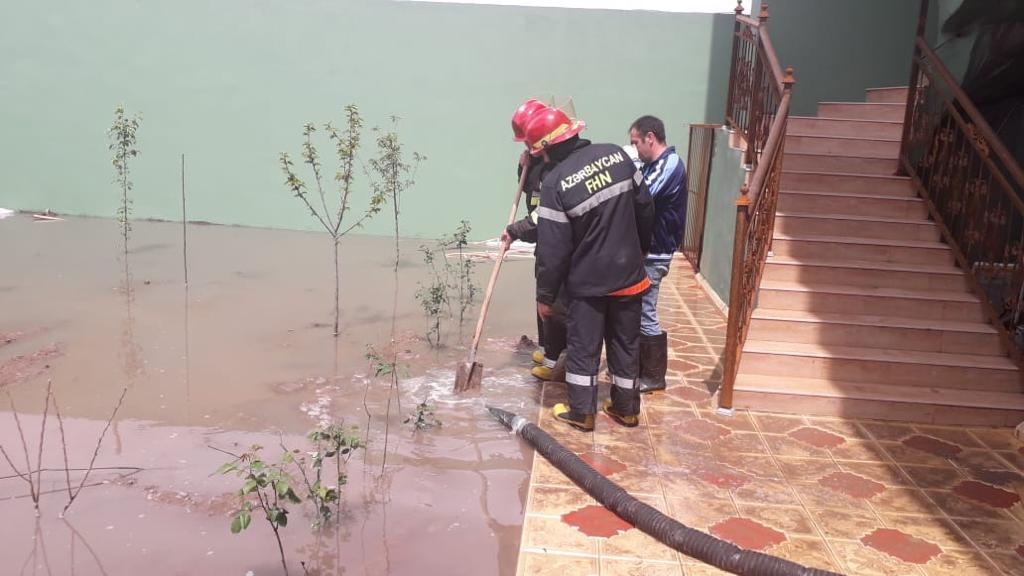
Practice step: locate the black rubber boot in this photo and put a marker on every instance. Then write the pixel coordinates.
(653, 362)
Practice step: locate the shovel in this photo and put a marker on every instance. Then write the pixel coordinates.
(469, 374)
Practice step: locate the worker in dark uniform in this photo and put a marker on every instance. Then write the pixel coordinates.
(551, 332)
(594, 227)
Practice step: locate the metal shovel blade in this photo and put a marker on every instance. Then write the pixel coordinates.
(468, 376)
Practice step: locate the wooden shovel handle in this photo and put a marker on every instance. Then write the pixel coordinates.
(494, 273)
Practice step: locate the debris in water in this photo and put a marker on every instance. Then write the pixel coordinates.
(525, 345)
(22, 368)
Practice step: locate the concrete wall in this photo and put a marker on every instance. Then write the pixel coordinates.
(230, 83)
(838, 48)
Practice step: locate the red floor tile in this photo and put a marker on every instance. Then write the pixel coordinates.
(748, 534)
(902, 545)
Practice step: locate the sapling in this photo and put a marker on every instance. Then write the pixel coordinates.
(271, 484)
(433, 296)
(460, 274)
(122, 143)
(346, 143)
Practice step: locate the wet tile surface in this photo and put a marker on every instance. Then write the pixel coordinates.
(851, 496)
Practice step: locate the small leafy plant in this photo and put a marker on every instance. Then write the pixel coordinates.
(460, 273)
(329, 442)
(424, 418)
(433, 296)
(270, 484)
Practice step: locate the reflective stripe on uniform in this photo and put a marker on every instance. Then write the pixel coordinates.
(599, 197)
(550, 214)
(534, 216)
(580, 379)
(627, 383)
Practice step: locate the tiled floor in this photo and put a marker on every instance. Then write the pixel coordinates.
(856, 497)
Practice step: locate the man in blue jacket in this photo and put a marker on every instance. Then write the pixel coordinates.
(665, 176)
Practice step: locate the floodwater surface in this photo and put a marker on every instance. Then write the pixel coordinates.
(243, 355)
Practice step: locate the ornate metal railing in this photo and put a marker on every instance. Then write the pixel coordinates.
(758, 109)
(755, 87)
(698, 167)
(972, 187)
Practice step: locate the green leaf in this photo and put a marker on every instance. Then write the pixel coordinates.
(246, 518)
(282, 488)
(229, 467)
(236, 524)
(249, 486)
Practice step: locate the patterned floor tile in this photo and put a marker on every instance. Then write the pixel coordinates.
(937, 529)
(956, 507)
(597, 521)
(617, 567)
(552, 534)
(803, 469)
(866, 561)
(887, 474)
(783, 445)
(932, 477)
(766, 491)
(747, 533)
(811, 552)
(636, 544)
(903, 454)
(557, 500)
(910, 501)
(792, 520)
(540, 564)
(996, 438)
(1010, 563)
(859, 451)
(845, 524)
(993, 535)
(956, 435)
(777, 424)
(888, 431)
(700, 514)
(960, 563)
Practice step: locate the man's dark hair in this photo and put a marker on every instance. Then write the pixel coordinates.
(645, 124)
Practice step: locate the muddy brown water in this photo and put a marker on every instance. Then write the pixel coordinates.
(243, 357)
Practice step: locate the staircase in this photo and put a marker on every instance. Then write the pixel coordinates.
(862, 311)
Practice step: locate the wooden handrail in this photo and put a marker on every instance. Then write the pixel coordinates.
(773, 60)
(775, 136)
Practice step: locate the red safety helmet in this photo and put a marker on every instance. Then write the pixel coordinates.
(522, 116)
(549, 128)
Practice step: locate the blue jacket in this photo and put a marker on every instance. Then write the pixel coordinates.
(666, 180)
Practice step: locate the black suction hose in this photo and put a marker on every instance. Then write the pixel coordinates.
(694, 543)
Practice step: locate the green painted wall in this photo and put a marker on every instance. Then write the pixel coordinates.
(727, 177)
(231, 82)
(838, 49)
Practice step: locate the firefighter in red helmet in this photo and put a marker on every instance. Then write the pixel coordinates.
(551, 332)
(593, 228)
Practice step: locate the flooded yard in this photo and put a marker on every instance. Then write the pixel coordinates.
(244, 355)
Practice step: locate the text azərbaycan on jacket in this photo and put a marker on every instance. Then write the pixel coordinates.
(595, 223)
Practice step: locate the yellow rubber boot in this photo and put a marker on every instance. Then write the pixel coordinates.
(537, 357)
(628, 421)
(583, 422)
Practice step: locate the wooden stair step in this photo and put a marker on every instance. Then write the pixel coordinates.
(820, 201)
(866, 273)
(810, 143)
(838, 163)
(860, 226)
(863, 110)
(887, 95)
(851, 399)
(874, 331)
(873, 184)
(824, 297)
(885, 129)
(903, 367)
